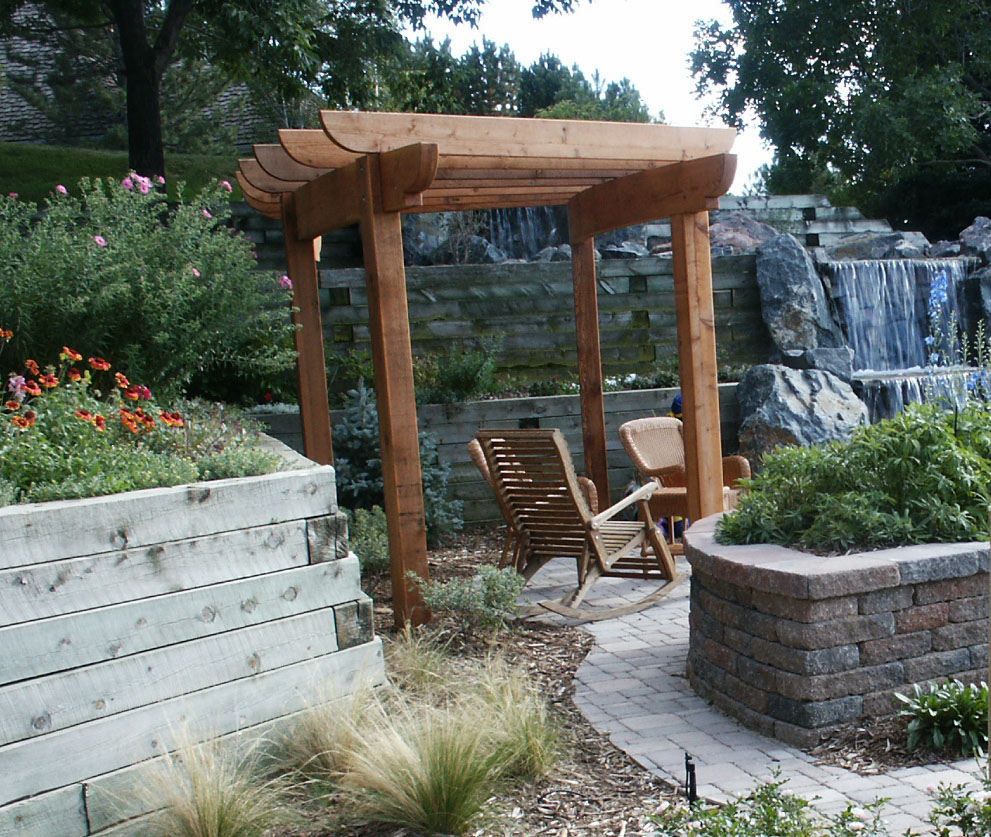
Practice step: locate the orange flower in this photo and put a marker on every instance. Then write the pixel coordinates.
(31, 387)
(49, 381)
(99, 364)
(122, 381)
(71, 354)
(12, 405)
(25, 421)
(99, 422)
(75, 375)
(132, 393)
(85, 415)
(32, 367)
(6, 334)
(172, 419)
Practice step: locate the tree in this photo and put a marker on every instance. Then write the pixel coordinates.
(290, 45)
(856, 95)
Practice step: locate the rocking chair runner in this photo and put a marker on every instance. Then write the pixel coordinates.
(537, 489)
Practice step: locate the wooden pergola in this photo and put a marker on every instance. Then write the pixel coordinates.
(370, 168)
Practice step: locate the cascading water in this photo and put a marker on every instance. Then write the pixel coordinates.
(522, 233)
(888, 310)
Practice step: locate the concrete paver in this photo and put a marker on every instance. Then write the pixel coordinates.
(632, 686)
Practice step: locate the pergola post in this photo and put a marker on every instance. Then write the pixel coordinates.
(314, 408)
(590, 365)
(388, 316)
(697, 362)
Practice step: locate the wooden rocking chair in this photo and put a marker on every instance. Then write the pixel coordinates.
(535, 483)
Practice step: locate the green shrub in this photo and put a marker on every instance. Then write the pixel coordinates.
(961, 810)
(59, 440)
(487, 600)
(767, 810)
(462, 373)
(950, 717)
(920, 477)
(170, 292)
(358, 462)
(369, 535)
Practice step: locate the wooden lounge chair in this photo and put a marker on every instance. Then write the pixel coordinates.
(657, 448)
(535, 482)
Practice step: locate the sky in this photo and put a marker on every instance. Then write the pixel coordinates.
(647, 41)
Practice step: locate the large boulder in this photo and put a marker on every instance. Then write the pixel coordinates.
(976, 239)
(879, 245)
(782, 406)
(793, 300)
(740, 230)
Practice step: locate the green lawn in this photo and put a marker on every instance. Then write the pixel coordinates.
(33, 170)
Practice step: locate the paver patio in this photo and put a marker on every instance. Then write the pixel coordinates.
(632, 686)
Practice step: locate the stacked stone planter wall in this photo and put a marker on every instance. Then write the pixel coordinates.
(126, 621)
(454, 425)
(797, 645)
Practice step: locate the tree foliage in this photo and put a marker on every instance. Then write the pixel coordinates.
(857, 96)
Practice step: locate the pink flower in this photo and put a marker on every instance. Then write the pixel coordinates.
(127, 183)
(144, 187)
(12, 195)
(196, 273)
(100, 241)
(206, 214)
(61, 189)
(18, 386)
(286, 282)
(226, 184)
(159, 180)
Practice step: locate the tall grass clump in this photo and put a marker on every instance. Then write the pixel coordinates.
(417, 663)
(211, 789)
(426, 768)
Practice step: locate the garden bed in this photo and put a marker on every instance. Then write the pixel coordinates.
(798, 646)
(196, 610)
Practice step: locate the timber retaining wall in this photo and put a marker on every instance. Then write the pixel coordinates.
(132, 621)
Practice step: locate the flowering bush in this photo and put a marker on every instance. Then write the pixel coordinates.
(767, 810)
(958, 810)
(171, 293)
(82, 430)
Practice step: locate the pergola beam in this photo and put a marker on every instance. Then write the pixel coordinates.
(332, 201)
(690, 186)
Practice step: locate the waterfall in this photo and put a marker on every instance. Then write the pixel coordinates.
(883, 307)
(522, 233)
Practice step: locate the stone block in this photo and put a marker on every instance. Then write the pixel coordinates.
(951, 589)
(881, 704)
(801, 661)
(756, 674)
(740, 641)
(841, 631)
(354, 623)
(813, 715)
(860, 681)
(891, 599)
(750, 696)
(849, 574)
(960, 635)
(805, 610)
(719, 655)
(723, 589)
(933, 666)
(706, 671)
(979, 657)
(733, 708)
(922, 618)
(898, 647)
(800, 737)
(968, 610)
(701, 624)
(933, 562)
(735, 616)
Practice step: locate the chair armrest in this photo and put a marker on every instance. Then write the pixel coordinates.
(642, 493)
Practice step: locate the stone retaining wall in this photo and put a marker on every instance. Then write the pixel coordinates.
(798, 645)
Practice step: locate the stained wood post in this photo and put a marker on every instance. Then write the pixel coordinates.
(314, 409)
(590, 366)
(388, 319)
(697, 362)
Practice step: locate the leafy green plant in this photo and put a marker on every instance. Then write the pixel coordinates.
(169, 291)
(487, 600)
(78, 430)
(920, 477)
(950, 717)
(767, 810)
(369, 536)
(461, 374)
(359, 467)
(962, 810)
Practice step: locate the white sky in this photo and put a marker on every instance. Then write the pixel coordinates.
(647, 41)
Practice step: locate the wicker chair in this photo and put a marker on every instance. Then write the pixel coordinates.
(657, 448)
(533, 477)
